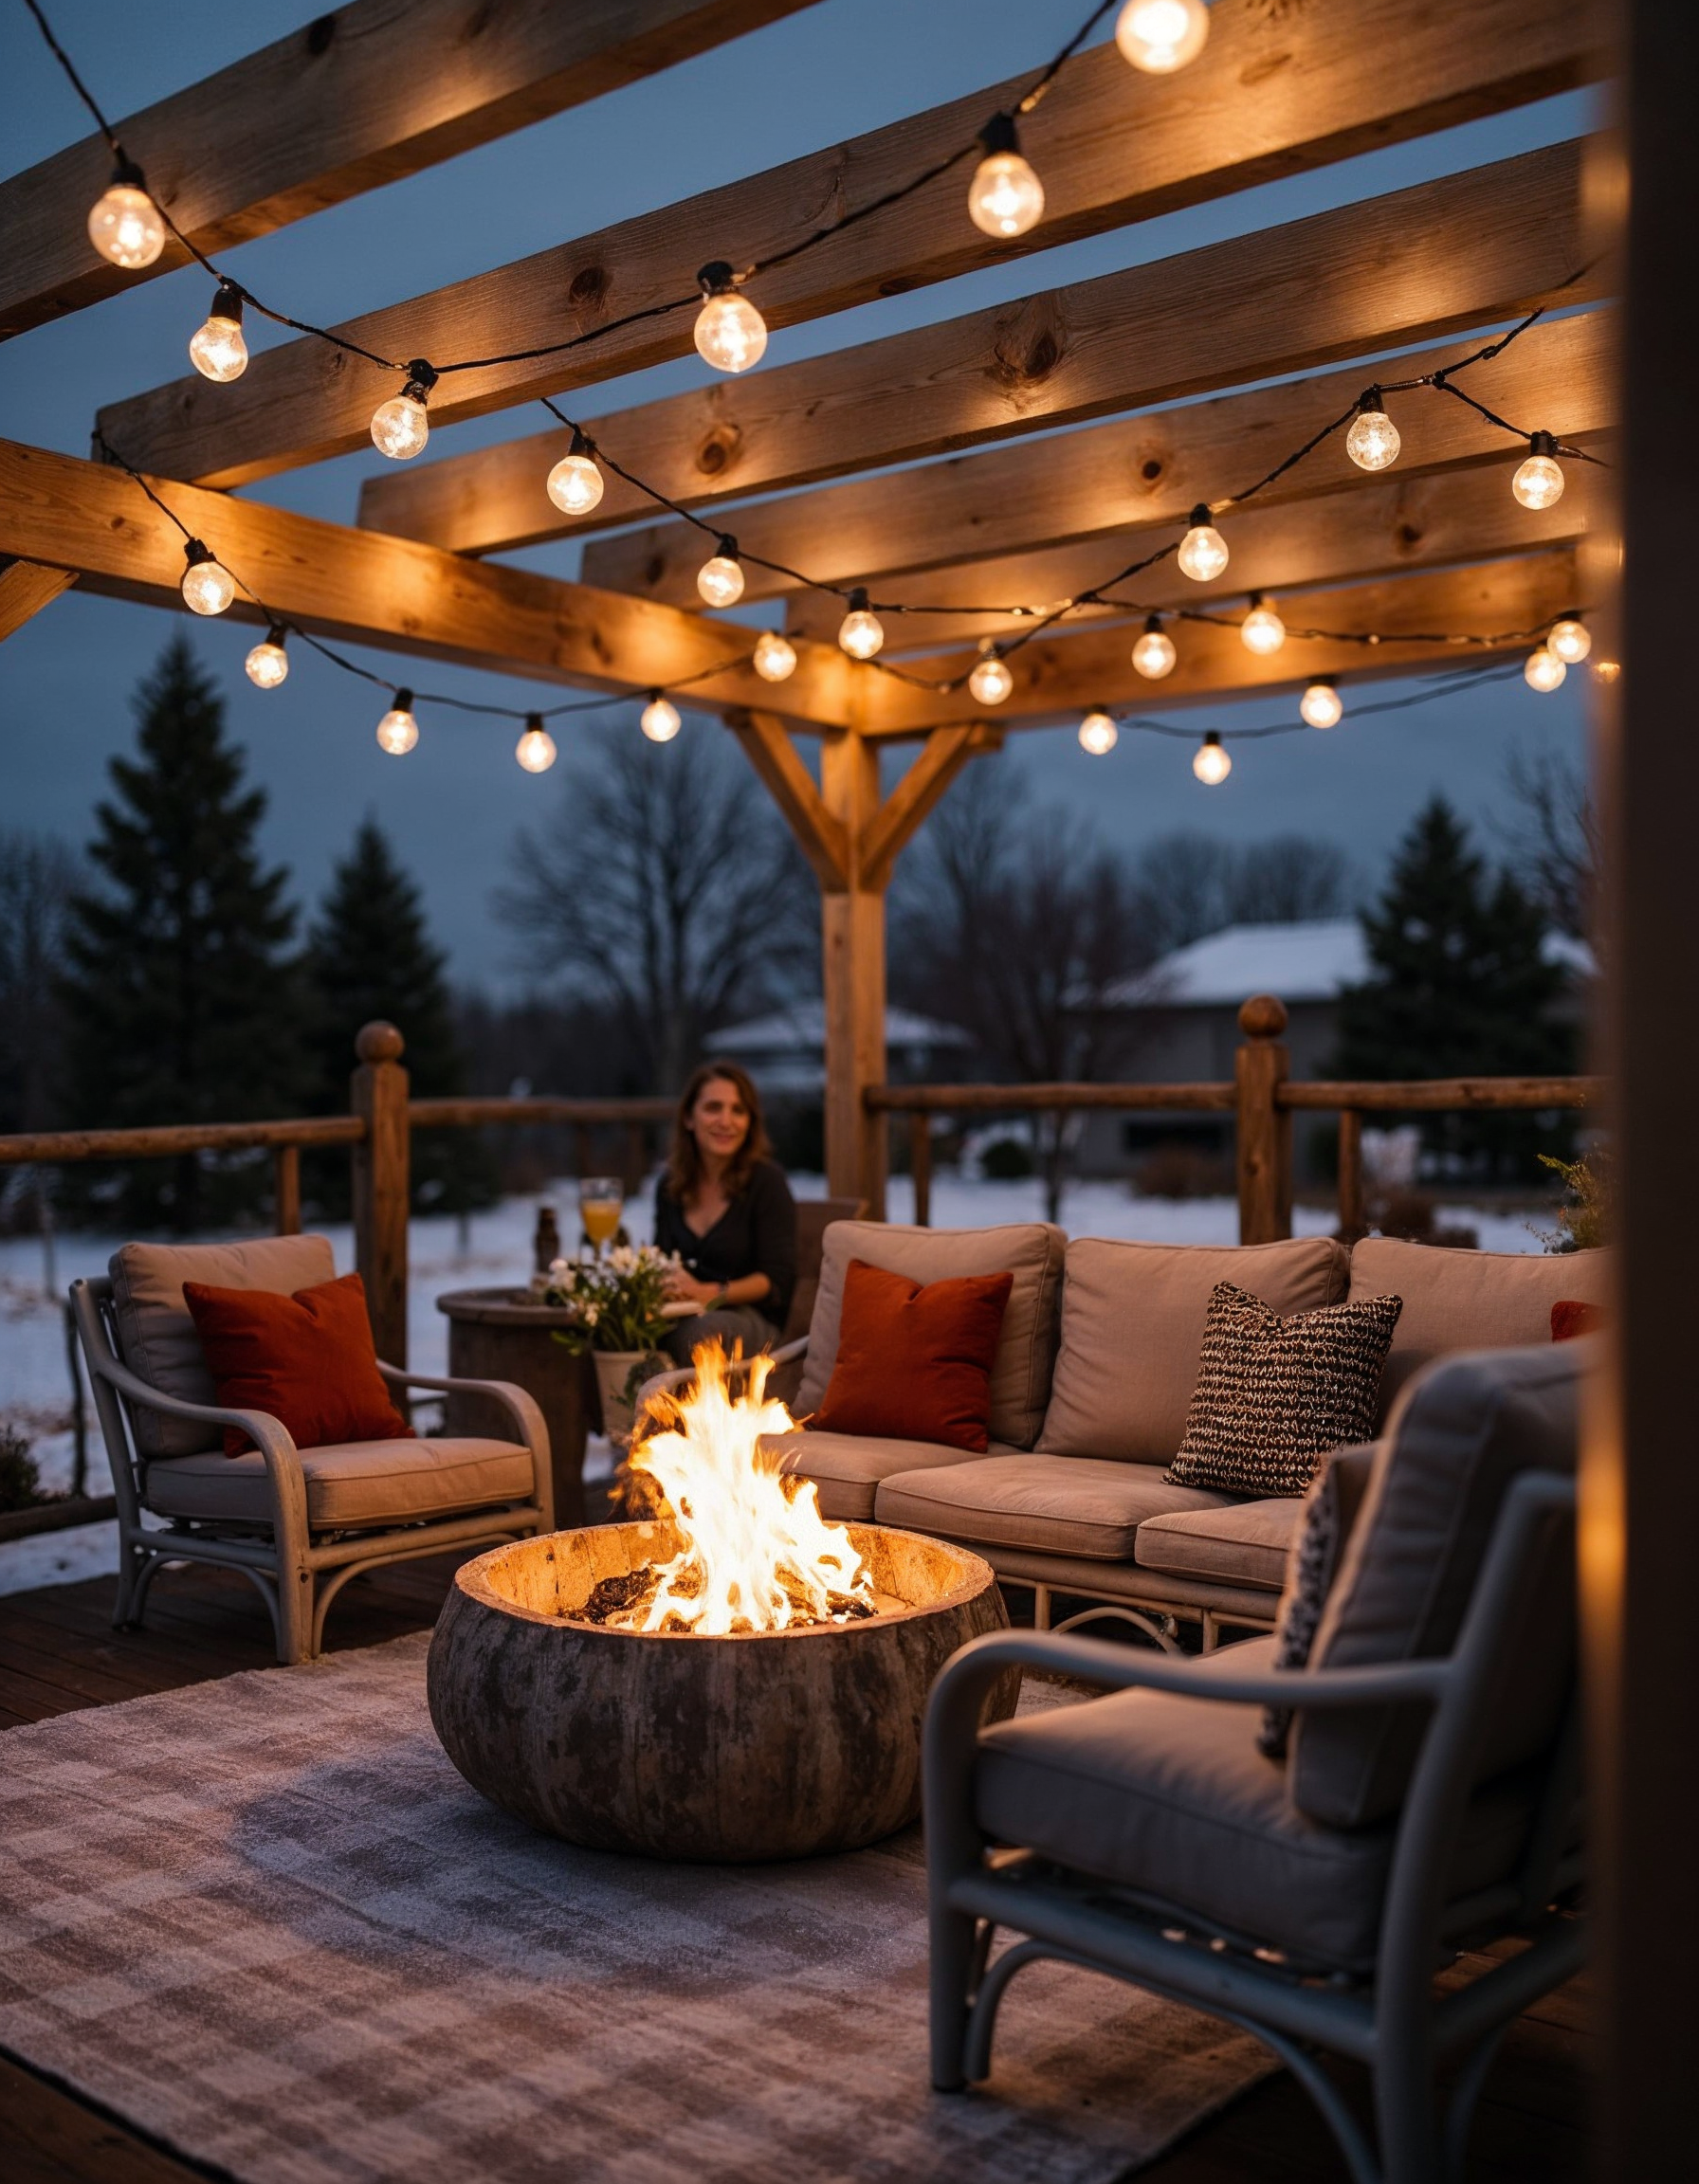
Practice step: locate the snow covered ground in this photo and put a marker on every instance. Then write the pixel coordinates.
(496, 1247)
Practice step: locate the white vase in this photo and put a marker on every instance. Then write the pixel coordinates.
(613, 1372)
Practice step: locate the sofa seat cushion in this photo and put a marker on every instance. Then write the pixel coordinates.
(1169, 1796)
(847, 1467)
(1048, 1505)
(1246, 1543)
(350, 1484)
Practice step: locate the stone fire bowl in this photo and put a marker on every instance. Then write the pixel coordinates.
(729, 1750)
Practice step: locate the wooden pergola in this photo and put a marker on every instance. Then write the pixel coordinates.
(1191, 377)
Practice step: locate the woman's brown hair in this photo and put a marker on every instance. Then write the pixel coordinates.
(684, 1168)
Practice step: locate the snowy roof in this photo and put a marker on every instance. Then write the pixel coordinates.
(802, 1028)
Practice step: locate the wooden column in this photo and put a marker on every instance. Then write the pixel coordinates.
(1352, 1220)
(1265, 1131)
(920, 1161)
(852, 925)
(380, 1186)
(286, 1164)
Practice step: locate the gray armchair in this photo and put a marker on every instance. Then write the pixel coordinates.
(1430, 1803)
(299, 1522)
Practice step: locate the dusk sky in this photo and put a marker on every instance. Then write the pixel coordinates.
(454, 807)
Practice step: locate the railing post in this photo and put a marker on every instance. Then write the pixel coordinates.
(380, 1186)
(285, 1168)
(1265, 1131)
(1353, 1220)
(920, 1161)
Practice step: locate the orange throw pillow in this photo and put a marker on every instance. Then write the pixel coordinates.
(1571, 1317)
(914, 1360)
(308, 1359)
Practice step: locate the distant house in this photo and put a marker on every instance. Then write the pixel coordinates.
(785, 1052)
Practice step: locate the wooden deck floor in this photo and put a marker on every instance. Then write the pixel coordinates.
(58, 1651)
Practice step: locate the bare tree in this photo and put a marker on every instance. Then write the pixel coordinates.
(1554, 841)
(670, 891)
(1191, 884)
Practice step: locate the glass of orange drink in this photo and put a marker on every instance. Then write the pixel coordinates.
(601, 1201)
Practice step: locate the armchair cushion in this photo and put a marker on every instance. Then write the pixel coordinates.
(156, 1337)
(847, 1467)
(349, 1485)
(1047, 1504)
(307, 1359)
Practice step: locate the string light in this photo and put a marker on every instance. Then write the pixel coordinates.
(1211, 765)
(1202, 550)
(731, 335)
(991, 681)
(1005, 197)
(1606, 670)
(267, 664)
(217, 349)
(1570, 641)
(1154, 654)
(719, 581)
(1262, 631)
(1539, 483)
(399, 425)
(659, 720)
(575, 484)
(397, 732)
(1544, 672)
(1098, 734)
(1372, 442)
(125, 224)
(861, 632)
(1321, 705)
(774, 657)
(1161, 36)
(534, 749)
(208, 585)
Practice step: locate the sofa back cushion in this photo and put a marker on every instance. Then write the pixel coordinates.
(1468, 1299)
(156, 1338)
(1132, 1333)
(1029, 1252)
(1461, 1434)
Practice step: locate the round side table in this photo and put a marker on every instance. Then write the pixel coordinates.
(499, 1334)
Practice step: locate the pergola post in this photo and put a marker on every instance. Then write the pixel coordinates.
(381, 1185)
(853, 961)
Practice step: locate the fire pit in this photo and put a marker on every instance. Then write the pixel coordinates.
(734, 1681)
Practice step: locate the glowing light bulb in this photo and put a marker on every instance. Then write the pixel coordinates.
(217, 349)
(1262, 631)
(1005, 197)
(1542, 670)
(1321, 705)
(660, 719)
(125, 225)
(1539, 483)
(1606, 670)
(774, 657)
(397, 732)
(208, 585)
(1098, 734)
(1570, 641)
(1202, 550)
(1373, 441)
(267, 664)
(991, 681)
(1161, 36)
(1154, 654)
(400, 426)
(731, 335)
(575, 483)
(534, 749)
(1211, 765)
(719, 581)
(861, 632)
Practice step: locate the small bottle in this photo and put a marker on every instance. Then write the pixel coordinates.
(546, 1249)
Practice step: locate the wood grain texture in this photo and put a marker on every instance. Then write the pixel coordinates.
(822, 836)
(1127, 474)
(852, 972)
(24, 589)
(356, 99)
(909, 804)
(1460, 252)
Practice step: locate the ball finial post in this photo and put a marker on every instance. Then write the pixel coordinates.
(1263, 1017)
(378, 1042)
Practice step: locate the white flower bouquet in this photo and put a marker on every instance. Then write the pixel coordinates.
(617, 1301)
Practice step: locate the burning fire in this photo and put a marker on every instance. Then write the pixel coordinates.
(757, 1553)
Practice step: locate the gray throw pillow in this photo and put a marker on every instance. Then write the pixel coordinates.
(1275, 1395)
(1317, 1550)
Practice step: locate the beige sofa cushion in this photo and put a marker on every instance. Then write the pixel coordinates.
(1048, 1505)
(350, 1484)
(1469, 1300)
(846, 1467)
(1031, 1251)
(1132, 1333)
(1245, 1544)
(156, 1338)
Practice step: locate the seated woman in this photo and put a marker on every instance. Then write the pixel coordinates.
(724, 1207)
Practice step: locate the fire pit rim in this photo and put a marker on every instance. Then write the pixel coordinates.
(973, 1571)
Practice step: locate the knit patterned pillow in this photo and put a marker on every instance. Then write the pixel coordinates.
(1273, 1395)
(1330, 1508)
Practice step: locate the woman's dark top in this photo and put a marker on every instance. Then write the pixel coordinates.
(756, 1234)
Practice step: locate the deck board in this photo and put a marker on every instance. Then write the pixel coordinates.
(58, 1653)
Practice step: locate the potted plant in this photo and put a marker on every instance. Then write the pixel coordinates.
(618, 1302)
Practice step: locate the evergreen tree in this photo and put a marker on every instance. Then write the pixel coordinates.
(1460, 985)
(180, 1005)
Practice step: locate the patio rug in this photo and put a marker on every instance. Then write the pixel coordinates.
(265, 1920)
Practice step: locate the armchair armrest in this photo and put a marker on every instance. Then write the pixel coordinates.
(663, 1383)
(519, 1406)
(269, 1435)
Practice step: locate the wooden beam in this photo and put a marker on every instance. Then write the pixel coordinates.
(1127, 474)
(911, 803)
(1336, 78)
(821, 834)
(25, 588)
(852, 975)
(1460, 252)
(356, 99)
